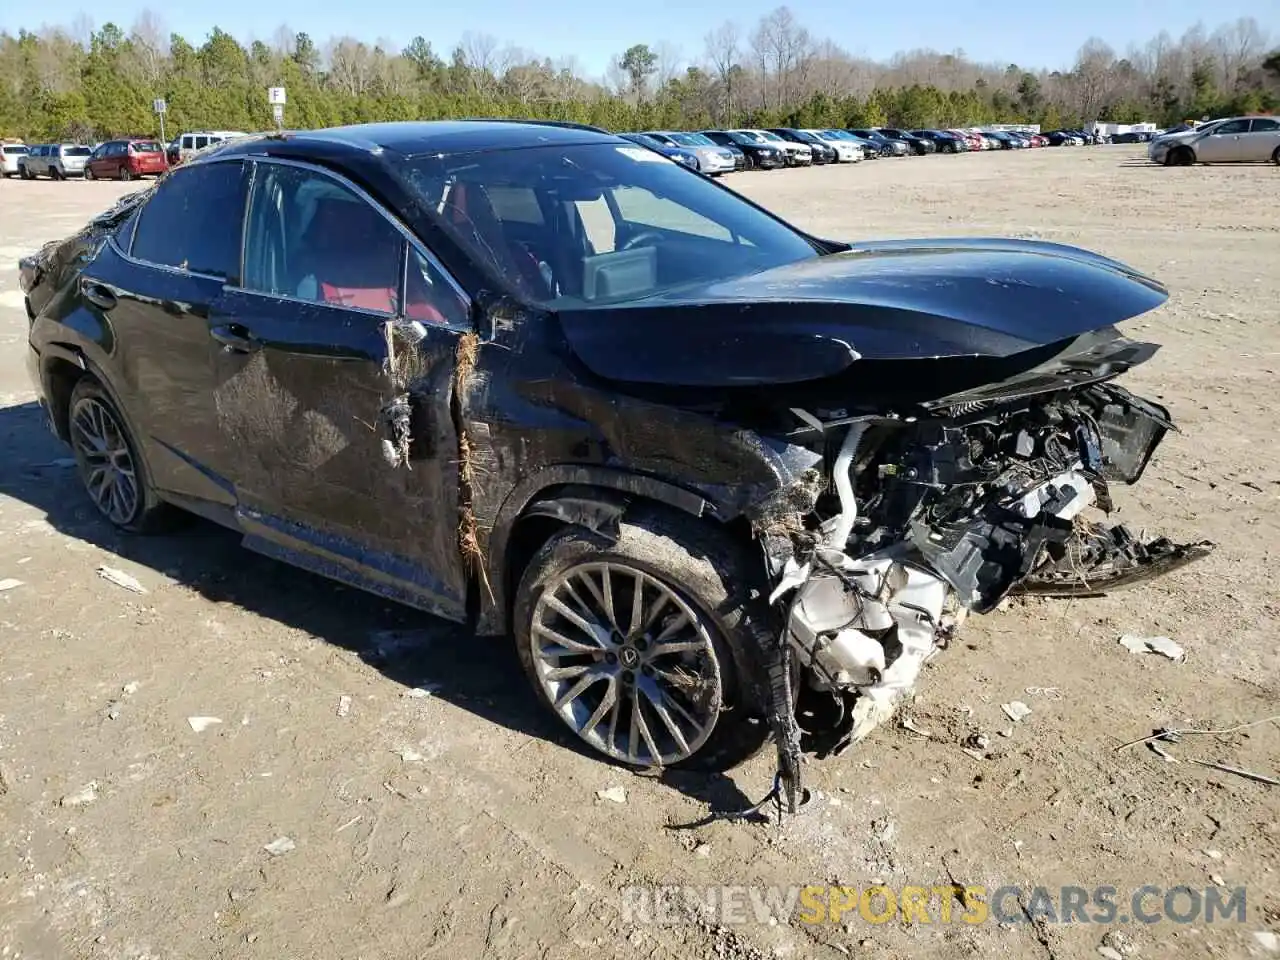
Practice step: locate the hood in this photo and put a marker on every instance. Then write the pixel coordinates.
(888, 300)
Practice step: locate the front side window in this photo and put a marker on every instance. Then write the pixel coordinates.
(310, 238)
(621, 223)
(193, 221)
(1231, 127)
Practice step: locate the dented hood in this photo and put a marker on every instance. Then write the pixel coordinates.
(889, 300)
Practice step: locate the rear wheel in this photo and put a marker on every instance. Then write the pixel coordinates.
(126, 173)
(107, 458)
(54, 174)
(1275, 157)
(641, 647)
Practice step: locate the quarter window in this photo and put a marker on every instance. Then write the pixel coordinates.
(193, 222)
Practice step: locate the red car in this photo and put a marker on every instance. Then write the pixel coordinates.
(126, 159)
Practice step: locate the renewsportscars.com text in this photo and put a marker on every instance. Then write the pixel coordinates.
(818, 904)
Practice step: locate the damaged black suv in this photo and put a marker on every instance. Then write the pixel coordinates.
(539, 377)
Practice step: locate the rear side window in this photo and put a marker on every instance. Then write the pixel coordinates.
(1264, 125)
(194, 221)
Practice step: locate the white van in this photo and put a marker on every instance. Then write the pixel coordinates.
(184, 146)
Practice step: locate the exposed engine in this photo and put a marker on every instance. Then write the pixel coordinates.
(926, 519)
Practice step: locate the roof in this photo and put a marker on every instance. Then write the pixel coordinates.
(415, 138)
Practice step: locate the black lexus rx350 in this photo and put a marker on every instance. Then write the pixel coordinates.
(538, 377)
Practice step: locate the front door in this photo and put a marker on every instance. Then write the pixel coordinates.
(1226, 144)
(309, 372)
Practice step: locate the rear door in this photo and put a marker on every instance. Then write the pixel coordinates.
(152, 288)
(1263, 139)
(311, 378)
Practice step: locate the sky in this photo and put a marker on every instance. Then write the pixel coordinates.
(1036, 34)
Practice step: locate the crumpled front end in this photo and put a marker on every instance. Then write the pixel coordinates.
(926, 519)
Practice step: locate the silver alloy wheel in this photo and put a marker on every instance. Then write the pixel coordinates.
(107, 466)
(627, 663)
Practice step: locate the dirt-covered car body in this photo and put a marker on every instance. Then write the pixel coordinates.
(428, 410)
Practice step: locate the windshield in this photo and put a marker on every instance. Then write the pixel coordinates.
(692, 140)
(596, 224)
(646, 140)
(76, 151)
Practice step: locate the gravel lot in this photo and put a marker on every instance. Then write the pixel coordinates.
(463, 824)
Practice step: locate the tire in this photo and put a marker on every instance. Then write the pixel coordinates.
(88, 172)
(126, 173)
(1275, 157)
(706, 578)
(91, 408)
(1183, 157)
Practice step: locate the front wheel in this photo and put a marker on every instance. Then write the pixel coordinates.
(1275, 157)
(88, 173)
(641, 647)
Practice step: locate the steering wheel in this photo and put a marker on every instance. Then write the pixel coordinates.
(638, 239)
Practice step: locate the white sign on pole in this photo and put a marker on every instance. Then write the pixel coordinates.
(277, 112)
(275, 96)
(159, 106)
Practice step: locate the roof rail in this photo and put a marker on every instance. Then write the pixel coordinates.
(566, 124)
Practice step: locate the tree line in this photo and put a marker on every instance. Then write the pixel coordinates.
(80, 83)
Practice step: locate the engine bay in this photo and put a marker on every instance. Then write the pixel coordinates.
(923, 520)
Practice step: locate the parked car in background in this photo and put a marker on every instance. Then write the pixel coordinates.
(54, 160)
(1003, 141)
(846, 150)
(943, 141)
(713, 159)
(126, 160)
(1231, 140)
(183, 147)
(679, 154)
(795, 154)
(870, 150)
(1132, 136)
(822, 152)
(888, 147)
(760, 153)
(9, 156)
(920, 145)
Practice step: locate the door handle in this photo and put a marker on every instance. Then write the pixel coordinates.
(236, 338)
(98, 294)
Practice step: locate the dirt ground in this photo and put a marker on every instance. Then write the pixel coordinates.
(464, 824)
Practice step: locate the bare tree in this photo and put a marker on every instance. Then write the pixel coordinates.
(150, 46)
(1093, 77)
(723, 49)
(1238, 45)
